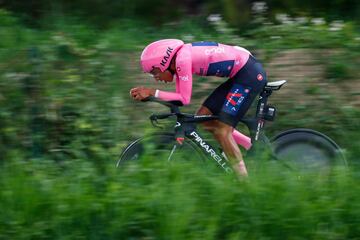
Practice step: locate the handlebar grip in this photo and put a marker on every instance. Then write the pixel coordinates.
(161, 116)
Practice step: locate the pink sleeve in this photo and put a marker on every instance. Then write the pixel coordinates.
(183, 79)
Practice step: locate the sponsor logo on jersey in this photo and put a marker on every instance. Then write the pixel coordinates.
(230, 97)
(235, 98)
(184, 78)
(166, 57)
(260, 77)
(214, 50)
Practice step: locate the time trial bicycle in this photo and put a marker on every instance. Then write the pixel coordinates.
(296, 148)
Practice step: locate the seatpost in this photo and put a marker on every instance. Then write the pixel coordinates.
(262, 102)
(260, 110)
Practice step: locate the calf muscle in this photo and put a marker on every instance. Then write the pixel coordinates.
(223, 134)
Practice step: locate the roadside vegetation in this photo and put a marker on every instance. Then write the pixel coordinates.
(65, 115)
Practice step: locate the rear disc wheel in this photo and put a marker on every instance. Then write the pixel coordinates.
(306, 149)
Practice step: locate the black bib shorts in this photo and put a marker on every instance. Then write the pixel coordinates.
(233, 98)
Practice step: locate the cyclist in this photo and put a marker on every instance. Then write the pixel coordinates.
(165, 59)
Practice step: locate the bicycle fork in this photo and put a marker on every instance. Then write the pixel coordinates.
(179, 137)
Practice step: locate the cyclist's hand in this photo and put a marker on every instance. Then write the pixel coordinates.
(140, 93)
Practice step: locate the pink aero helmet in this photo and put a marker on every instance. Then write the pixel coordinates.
(159, 54)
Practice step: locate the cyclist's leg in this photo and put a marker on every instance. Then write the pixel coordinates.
(245, 87)
(242, 139)
(231, 100)
(205, 111)
(223, 133)
(213, 104)
(239, 138)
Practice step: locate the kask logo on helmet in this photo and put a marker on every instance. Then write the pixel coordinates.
(166, 57)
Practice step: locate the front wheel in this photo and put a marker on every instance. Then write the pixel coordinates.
(160, 146)
(307, 149)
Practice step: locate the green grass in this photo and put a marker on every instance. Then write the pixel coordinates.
(43, 200)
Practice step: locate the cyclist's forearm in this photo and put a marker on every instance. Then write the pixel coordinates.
(173, 96)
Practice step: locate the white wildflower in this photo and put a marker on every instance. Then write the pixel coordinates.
(284, 18)
(259, 7)
(16, 76)
(336, 26)
(301, 20)
(318, 21)
(275, 37)
(214, 18)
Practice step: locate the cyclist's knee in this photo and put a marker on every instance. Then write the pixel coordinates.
(222, 130)
(210, 126)
(203, 111)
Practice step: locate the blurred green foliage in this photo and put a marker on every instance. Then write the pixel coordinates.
(65, 115)
(40, 200)
(236, 12)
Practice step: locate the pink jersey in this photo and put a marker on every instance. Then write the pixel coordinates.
(204, 59)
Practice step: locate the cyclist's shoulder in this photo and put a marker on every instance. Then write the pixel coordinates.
(184, 53)
(186, 48)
